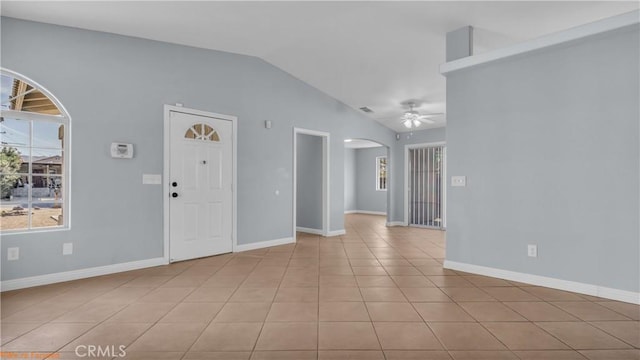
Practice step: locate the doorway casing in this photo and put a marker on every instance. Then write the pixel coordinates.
(406, 179)
(166, 173)
(325, 177)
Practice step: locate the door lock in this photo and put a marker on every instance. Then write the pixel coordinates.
(174, 184)
(175, 195)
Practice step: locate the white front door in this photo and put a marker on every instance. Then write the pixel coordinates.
(200, 185)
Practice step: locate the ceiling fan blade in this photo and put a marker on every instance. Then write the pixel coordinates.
(431, 115)
(428, 121)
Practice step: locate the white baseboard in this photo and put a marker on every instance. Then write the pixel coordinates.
(309, 230)
(263, 244)
(582, 288)
(38, 280)
(396, 223)
(337, 232)
(366, 212)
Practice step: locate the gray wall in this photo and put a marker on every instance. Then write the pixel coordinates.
(549, 144)
(309, 182)
(114, 88)
(349, 179)
(367, 197)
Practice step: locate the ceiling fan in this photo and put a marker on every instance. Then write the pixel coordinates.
(413, 119)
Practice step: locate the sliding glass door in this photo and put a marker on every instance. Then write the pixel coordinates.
(427, 186)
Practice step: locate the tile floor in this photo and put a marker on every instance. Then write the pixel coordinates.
(375, 293)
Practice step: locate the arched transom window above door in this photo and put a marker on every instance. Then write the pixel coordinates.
(202, 132)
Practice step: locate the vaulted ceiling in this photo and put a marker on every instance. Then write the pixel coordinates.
(375, 54)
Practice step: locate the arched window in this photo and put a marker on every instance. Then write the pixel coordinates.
(34, 157)
(202, 132)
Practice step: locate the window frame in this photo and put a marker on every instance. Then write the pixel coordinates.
(63, 119)
(378, 178)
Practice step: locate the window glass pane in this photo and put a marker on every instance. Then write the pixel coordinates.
(31, 158)
(46, 201)
(381, 173)
(46, 162)
(6, 83)
(14, 160)
(47, 135)
(14, 133)
(190, 134)
(12, 186)
(13, 209)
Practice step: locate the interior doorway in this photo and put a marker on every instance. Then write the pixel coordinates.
(367, 181)
(425, 187)
(311, 187)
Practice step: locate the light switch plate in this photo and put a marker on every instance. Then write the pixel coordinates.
(458, 181)
(67, 248)
(13, 253)
(532, 250)
(151, 179)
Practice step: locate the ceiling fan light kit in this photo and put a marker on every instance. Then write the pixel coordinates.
(413, 119)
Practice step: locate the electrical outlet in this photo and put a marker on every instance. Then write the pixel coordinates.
(532, 250)
(13, 253)
(67, 248)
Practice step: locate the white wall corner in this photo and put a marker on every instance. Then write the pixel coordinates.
(31, 281)
(264, 244)
(566, 285)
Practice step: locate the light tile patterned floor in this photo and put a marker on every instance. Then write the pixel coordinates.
(375, 293)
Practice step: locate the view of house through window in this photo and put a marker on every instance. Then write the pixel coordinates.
(32, 158)
(381, 173)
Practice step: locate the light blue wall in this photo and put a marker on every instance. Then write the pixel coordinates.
(549, 142)
(367, 197)
(114, 88)
(309, 182)
(349, 179)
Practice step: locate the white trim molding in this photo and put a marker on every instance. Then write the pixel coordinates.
(326, 175)
(309, 230)
(366, 212)
(264, 244)
(31, 281)
(336, 232)
(576, 33)
(396, 223)
(577, 287)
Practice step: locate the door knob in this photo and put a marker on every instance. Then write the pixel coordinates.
(174, 184)
(175, 195)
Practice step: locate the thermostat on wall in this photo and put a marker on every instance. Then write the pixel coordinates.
(121, 151)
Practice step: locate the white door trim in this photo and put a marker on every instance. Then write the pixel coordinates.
(326, 209)
(167, 155)
(406, 178)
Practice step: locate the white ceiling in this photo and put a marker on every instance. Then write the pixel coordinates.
(360, 144)
(374, 54)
